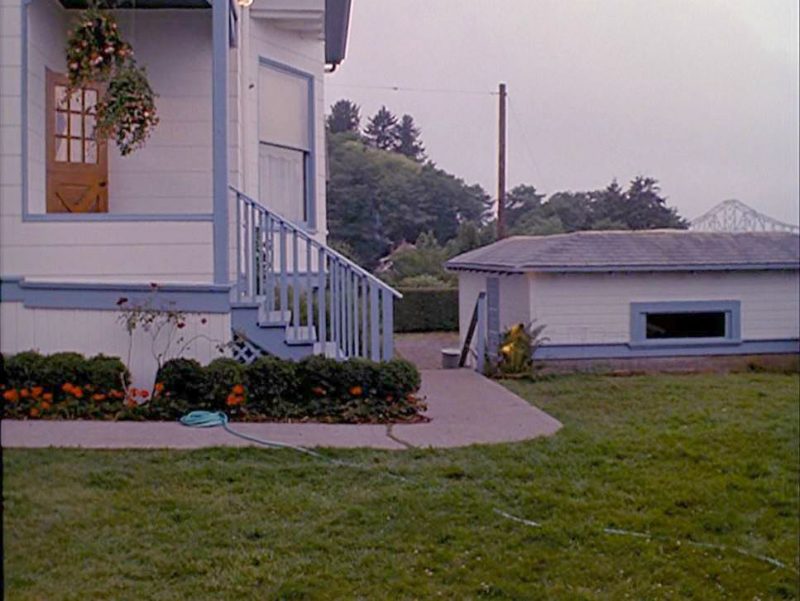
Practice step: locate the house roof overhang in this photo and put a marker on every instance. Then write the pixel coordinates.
(337, 26)
(141, 4)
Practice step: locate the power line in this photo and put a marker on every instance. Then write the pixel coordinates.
(525, 142)
(419, 90)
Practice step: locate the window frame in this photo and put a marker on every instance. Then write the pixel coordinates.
(640, 310)
(310, 154)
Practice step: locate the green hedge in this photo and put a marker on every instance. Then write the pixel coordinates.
(69, 386)
(63, 385)
(427, 310)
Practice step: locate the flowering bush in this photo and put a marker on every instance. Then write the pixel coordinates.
(64, 385)
(517, 348)
(69, 386)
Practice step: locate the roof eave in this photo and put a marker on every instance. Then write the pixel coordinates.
(337, 25)
(495, 268)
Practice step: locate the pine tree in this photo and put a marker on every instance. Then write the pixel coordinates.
(381, 130)
(345, 116)
(408, 142)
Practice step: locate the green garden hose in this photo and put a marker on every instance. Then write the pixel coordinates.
(211, 419)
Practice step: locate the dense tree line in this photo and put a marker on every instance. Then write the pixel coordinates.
(383, 190)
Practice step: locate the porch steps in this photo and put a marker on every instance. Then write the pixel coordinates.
(273, 331)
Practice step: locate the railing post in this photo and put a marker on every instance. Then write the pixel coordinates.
(321, 298)
(388, 325)
(374, 323)
(284, 284)
(239, 281)
(364, 311)
(295, 286)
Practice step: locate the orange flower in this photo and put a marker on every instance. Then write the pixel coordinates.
(238, 389)
(116, 394)
(67, 387)
(98, 397)
(77, 392)
(356, 390)
(12, 396)
(159, 387)
(45, 405)
(24, 393)
(37, 391)
(234, 399)
(319, 391)
(34, 412)
(47, 396)
(131, 402)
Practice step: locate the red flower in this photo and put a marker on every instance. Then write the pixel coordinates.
(356, 390)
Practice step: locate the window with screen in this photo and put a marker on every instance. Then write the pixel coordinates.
(285, 142)
(710, 324)
(688, 322)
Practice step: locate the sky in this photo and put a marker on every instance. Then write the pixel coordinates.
(703, 95)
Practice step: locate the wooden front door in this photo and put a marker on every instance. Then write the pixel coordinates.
(77, 162)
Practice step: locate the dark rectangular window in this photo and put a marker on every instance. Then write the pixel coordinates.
(709, 324)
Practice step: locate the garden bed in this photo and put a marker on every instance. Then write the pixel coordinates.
(70, 386)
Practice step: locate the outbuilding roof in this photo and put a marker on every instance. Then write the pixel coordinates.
(651, 250)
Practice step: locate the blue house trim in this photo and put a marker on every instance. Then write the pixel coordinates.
(639, 311)
(626, 351)
(219, 99)
(202, 298)
(311, 167)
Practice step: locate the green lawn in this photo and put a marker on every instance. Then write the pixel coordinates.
(712, 459)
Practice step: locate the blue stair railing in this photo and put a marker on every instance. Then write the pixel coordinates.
(320, 295)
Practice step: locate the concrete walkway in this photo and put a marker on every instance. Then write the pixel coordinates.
(465, 408)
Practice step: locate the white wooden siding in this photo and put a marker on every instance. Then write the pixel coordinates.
(305, 53)
(93, 332)
(514, 303)
(595, 308)
(172, 173)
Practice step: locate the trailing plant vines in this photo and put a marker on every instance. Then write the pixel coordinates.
(97, 53)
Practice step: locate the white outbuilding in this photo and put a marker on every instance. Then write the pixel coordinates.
(623, 294)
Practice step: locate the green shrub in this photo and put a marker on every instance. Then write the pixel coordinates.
(69, 386)
(272, 387)
(426, 310)
(63, 385)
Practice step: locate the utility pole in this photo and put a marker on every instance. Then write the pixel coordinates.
(501, 167)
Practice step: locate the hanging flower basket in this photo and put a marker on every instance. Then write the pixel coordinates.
(97, 53)
(127, 111)
(95, 48)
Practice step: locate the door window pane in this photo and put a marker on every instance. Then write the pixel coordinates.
(75, 126)
(75, 103)
(75, 151)
(61, 150)
(90, 100)
(61, 124)
(60, 98)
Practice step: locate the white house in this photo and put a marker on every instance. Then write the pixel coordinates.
(617, 294)
(223, 208)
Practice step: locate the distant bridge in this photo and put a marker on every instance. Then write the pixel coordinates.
(735, 216)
